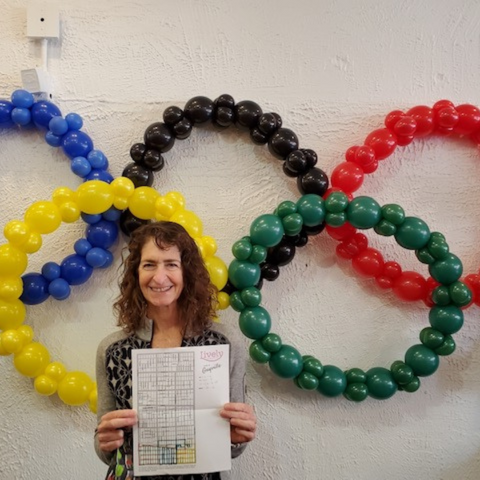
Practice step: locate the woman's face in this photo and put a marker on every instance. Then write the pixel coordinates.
(160, 275)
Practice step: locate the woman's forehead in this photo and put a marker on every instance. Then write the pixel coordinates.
(152, 248)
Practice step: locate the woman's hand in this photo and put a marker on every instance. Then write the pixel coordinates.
(243, 422)
(110, 429)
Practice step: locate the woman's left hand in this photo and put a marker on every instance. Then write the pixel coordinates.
(243, 422)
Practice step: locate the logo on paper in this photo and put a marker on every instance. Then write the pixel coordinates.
(211, 355)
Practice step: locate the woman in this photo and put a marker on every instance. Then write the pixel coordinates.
(166, 300)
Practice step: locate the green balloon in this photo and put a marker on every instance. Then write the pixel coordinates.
(393, 213)
(236, 301)
(255, 322)
(424, 256)
(380, 383)
(336, 202)
(441, 295)
(272, 342)
(411, 387)
(461, 295)
(438, 247)
(356, 375)
(385, 228)
(412, 234)
(333, 381)
(446, 271)
(447, 347)
(431, 338)
(292, 224)
(447, 319)
(267, 230)
(313, 366)
(242, 249)
(258, 353)
(251, 296)
(336, 219)
(356, 392)
(364, 212)
(286, 208)
(307, 381)
(258, 255)
(287, 362)
(422, 359)
(243, 274)
(312, 209)
(402, 373)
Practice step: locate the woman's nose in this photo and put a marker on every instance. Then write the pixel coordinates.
(160, 274)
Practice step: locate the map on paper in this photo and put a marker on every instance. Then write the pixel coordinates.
(178, 393)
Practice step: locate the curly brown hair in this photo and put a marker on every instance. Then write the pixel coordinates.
(197, 301)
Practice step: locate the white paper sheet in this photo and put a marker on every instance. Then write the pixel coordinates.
(178, 394)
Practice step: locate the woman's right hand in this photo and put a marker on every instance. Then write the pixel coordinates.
(110, 431)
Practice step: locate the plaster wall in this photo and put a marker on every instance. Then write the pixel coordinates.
(332, 70)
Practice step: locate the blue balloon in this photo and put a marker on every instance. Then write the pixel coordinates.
(52, 139)
(101, 175)
(91, 218)
(74, 121)
(59, 289)
(76, 144)
(98, 160)
(22, 99)
(6, 108)
(103, 234)
(82, 246)
(21, 116)
(75, 269)
(112, 214)
(109, 259)
(96, 257)
(35, 289)
(58, 126)
(51, 271)
(43, 112)
(81, 166)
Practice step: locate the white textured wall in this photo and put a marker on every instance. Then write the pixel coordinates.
(333, 70)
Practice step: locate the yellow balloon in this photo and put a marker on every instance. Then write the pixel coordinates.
(209, 245)
(75, 387)
(13, 261)
(121, 203)
(142, 202)
(223, 300)
(3, 352)
(63, 195)
(69, 211)
(122, 187)
(177, 198)
(189, 221)
(45, 385)
(218, 271)
(94, 197)
(92, 399)
(33, 243)
(165, 207)
(16, 232)
(32, 359)
(200, 246)
(12, 314)
(10, 287)
(56, 371)
(27, 332)
(43, 217)
(12, 341)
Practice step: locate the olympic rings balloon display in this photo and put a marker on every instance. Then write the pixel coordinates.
(32, 359)
(401, 128)
(308, 373)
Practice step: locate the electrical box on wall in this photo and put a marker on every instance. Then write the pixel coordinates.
(43, 20)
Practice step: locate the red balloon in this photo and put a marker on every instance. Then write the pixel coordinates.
(370, 168)
(350, 153)
(447, 117)
(405, 127)
(442, 104)
(342, 252)
(336, 189)
(410, 286)
(424, 118)
(368, 263)
(404, 141)
(347, 176)
(473, 283)
(392, 270)
(344, 232)
(361, 241)
(383, 142)
(392, 118)
(468, 121)
(384, 282)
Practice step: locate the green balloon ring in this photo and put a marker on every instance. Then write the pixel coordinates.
(307, 372)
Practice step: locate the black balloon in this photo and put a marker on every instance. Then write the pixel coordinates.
(225, 100)
(153, 160)
(269, 272)
(281, 254)
(313, 181)
(269, 123)
(223, 116)
(258, 137)
(314, 230)
(199, 109)
(311, 157)
(140, 176)
(259, 284)
(129, 222)
(247, 114)
(172, 115)
(288, 172)
(159, 136)
(182, 129)
(297, 162)
(283, 142)
(299, 240)
(137, 151)
(228, 288)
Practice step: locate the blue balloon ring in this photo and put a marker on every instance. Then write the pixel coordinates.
(87, 163)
